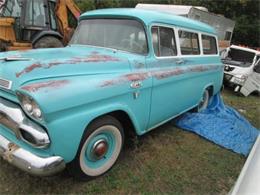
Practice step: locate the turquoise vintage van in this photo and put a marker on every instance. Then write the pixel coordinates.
(124, 70)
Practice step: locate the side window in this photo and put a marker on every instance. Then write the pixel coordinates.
(52, 15)
(164, 41)
(35, 15)
(189, 43)
(209, 45)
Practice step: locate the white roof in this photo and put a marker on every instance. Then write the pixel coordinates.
(173, 9)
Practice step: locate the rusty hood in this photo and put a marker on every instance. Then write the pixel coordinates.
(26, 66)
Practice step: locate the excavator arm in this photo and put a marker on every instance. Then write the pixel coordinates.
(63, 8)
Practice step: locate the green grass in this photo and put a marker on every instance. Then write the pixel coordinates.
(167, 160)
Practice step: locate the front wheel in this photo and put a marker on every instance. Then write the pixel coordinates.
(99, 149)
(204, 102)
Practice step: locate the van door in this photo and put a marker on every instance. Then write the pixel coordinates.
(171, 94)
(165, 52)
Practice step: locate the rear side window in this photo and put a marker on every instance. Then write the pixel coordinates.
(164, 41)
(189, 43)
(209, 45)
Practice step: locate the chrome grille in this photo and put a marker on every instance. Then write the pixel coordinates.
(5, 83)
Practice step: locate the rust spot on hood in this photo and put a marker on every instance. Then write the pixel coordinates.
(48, 84)
(93, 57)
(28, 69)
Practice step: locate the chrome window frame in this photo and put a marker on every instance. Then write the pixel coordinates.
(177, 40)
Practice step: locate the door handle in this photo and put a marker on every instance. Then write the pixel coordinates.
(136, 84)
(179, 61)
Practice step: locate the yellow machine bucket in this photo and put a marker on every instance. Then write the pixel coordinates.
(8, 35)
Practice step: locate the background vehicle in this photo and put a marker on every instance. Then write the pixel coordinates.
(252, 84)
(247, 182)
(223, 26)
(239, 64)
(36, 23)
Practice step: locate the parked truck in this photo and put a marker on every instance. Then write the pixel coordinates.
(241, 69)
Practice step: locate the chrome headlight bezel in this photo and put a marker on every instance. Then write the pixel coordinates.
(30, 106)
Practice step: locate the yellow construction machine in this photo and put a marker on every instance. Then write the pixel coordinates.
(26, 24)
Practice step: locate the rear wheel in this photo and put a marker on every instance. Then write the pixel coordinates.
(48, 42)
(204, 102)
(99, 148)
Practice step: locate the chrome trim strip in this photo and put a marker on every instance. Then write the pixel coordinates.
(17, 59)
(12, 117)
(28, 161)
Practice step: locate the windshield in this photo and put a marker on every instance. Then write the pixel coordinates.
(239, 57)
(10, 8)
(121, 34)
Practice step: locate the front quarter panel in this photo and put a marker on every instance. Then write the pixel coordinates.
(69, 104)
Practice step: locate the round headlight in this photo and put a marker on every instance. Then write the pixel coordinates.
(30, 106)
(37, 113)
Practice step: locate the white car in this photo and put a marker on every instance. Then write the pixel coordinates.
(252, 84)
(239, 64)
(248, 180)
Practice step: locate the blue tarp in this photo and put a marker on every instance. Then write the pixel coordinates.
(222, 125)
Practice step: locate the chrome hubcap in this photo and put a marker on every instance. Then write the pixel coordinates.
(99, 149)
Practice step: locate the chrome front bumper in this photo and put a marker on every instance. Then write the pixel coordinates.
(28, 161)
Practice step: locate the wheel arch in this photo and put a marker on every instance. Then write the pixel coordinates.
(46, 33)
(123, 117)
(211, 89)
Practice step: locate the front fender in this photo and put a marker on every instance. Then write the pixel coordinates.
(66, 133)
(70, 104)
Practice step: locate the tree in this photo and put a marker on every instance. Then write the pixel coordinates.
(246, 13)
